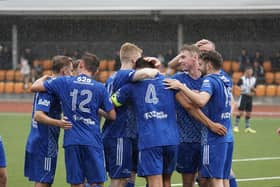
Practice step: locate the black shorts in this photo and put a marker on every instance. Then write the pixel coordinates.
(245, 103)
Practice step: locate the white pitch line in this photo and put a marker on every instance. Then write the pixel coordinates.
(258, 179)
(255, 159)
(246, 180)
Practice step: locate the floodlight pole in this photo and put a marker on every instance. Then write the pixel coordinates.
(14, 46)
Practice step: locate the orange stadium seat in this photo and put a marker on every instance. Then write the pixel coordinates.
(102, 76)
(10, 75)
(47, 64)
(270, 90)
(269, 77)
(29, 87)
(236, 90)
(9, 87)
(226, 66)
(111, 73)
(277, 78)
(111, 65)
(47, 72)
(18, 88)
(103, 65)
(236, 76)
(260, 90)
(18, 76)
(267, 66)
(278, 90)
(2, 75)
(235, 66)
(2, 87)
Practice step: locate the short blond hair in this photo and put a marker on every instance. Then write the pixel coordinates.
(128, 51)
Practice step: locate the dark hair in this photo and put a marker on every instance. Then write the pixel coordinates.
(76, 63)
(91, 62)
(59, 62)
(142, 63)
(213, 57)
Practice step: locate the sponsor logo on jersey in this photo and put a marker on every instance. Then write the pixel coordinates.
(155, 114)
(44, 102)
(226, 115)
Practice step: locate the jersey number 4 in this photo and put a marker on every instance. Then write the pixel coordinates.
(151, 95)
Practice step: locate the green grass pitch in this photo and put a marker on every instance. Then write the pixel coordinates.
(264, 171)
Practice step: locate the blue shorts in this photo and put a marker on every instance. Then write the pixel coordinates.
(118, 156)
(84, 162)
(134, 154)
(157, 160)
(189, 157)
(39, 169)
(3, 163)
(217, 160)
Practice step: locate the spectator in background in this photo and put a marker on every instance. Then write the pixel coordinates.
(170, 55)
(258, 58)
(258, 72)
(117, 60)
(2, 61)
(37, 71)
(5, 58)
(7, 54)
(160, 57)
(275, 62)
(25, 71)
(29, 56)
(244, 60)
(247, 84)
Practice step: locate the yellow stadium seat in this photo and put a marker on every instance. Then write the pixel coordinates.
(277, 78)
(260, 90)
(2, 75)
(9, 87)
(267, 66)
(226, 66)
(2, 87)
(235, 66)
(10, 75)
(236, 90)
(269, 77)
(18, 88)
(270, 90)
(236, 76)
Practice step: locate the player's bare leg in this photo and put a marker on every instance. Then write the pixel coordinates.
(3, 177)
(188, 179)
(154, 181)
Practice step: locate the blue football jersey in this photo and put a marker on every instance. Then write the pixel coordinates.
(189, 127)
(218, 106)
(81, 97)
(43, 139)
(154, 107)
(124, 125)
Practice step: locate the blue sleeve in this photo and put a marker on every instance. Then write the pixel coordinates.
(43, 102)
(53, 86)
(207, 86)
(122, 95)
(128, 75)
(107, 104)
